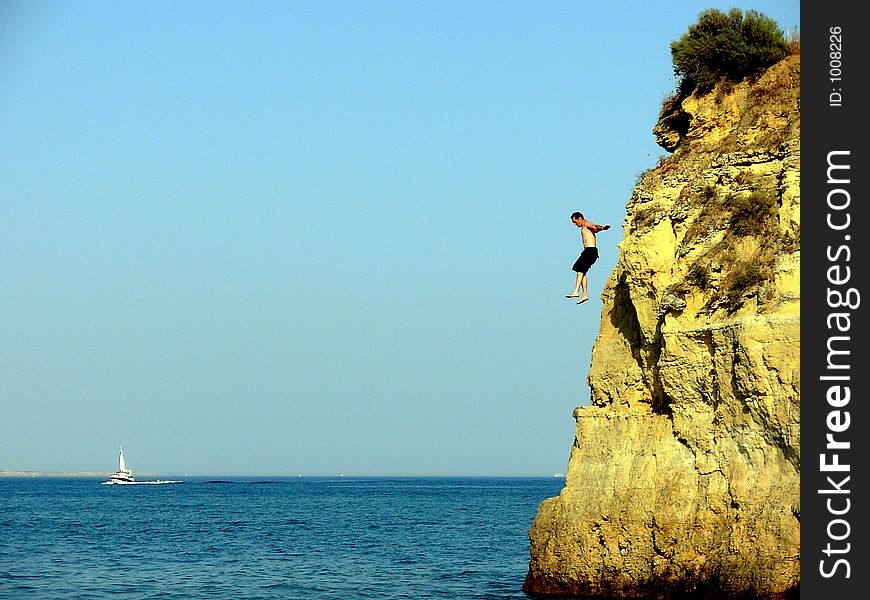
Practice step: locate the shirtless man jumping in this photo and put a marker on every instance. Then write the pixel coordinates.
(587, 258)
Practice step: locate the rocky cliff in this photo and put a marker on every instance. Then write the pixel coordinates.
(683, 480)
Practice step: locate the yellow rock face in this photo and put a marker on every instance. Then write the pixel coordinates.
(686, 464)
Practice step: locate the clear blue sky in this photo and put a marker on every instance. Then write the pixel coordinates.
(314, 237)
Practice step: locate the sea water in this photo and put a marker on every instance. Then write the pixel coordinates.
(268, 538)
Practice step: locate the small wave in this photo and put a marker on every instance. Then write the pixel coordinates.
(15, 577)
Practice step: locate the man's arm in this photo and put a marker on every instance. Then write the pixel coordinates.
(595, 227)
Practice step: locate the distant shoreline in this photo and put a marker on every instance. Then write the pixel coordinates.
(59, 474)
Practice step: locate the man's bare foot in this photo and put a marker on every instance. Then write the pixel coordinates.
(572, 295)
(583, 299)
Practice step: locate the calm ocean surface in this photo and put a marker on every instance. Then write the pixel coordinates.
(268, 538)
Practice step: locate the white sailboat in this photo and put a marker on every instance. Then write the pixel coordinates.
(124, 476)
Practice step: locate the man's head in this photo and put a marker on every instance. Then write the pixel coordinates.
(577, 219)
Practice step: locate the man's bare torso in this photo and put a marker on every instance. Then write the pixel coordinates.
(588, 237)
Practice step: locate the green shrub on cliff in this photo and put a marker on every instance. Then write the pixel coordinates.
(726, 47)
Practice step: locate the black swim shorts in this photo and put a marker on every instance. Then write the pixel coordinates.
(587, 259)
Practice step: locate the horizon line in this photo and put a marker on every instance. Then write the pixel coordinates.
(89, 474)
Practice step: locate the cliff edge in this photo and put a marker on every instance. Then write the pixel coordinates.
(683, 480)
